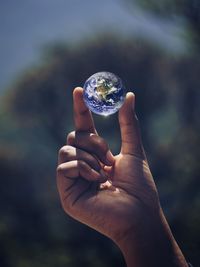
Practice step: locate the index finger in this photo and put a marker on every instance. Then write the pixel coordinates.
(82, 115)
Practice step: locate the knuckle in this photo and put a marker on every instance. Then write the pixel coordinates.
(71, 137)
(65, 151)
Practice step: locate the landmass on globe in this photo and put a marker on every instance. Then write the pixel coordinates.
(105, 88)
(104, 93)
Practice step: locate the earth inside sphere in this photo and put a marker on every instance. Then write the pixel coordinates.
(104, 93)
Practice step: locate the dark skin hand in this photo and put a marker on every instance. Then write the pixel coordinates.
(115, 195)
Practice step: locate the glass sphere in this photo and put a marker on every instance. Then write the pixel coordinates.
(104, 93)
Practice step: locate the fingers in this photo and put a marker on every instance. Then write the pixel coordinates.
(79, 169)
(82, 116)
(93, 144)
(84, 125)
(129, 127)
(70, 153)
(75, 163)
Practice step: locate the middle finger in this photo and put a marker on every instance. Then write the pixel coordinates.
(93, 144)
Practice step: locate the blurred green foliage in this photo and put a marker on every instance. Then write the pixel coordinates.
(35, 117)
(187, 11)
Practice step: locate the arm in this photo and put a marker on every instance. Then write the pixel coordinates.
(115, 195)
(156, 246)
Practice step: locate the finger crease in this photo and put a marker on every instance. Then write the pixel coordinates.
(69, 178)
(82, 193)
(69, 187)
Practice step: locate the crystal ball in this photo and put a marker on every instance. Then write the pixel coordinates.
(104, 93)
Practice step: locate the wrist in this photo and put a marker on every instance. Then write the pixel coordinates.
(151, 244)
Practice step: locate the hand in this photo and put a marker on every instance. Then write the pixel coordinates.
(115, 195)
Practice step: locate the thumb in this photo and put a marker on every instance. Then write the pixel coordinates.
(129, 127)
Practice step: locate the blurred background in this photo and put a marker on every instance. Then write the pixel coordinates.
(47, 48)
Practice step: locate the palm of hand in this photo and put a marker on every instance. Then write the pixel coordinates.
(114, 206)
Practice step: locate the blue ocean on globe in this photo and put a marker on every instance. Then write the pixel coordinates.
(104, 93)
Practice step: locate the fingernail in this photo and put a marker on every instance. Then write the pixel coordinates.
(110, 157)
(104, 176)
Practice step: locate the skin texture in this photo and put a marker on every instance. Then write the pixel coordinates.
(115, 195)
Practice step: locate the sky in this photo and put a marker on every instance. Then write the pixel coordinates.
(27, 25)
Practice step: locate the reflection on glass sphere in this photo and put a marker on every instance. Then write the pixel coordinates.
(104, 93)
